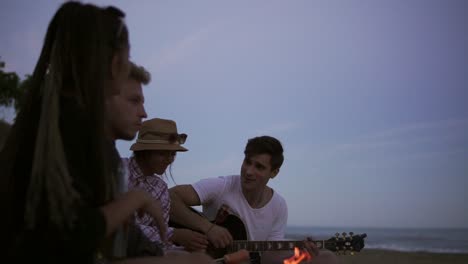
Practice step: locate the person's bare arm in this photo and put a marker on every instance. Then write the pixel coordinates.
(118, 211)
(184, 196)
(190, 240)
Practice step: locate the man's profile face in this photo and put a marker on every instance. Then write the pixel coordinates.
(126, 111)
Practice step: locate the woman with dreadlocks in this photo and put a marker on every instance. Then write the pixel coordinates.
(58, 182)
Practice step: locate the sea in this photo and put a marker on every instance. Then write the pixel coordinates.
(396, 239)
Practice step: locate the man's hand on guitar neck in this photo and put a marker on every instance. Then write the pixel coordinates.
(219, 236)
(311, 247)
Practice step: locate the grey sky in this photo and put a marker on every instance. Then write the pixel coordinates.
(368, 97)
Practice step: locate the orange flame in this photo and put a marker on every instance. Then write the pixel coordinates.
(299, 255)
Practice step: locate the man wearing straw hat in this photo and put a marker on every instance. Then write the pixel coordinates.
(153, 153)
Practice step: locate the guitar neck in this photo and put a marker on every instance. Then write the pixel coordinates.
(270, 245)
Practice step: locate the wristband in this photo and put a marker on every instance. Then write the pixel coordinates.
(209, 229)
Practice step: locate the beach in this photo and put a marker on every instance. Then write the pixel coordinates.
(368, 256)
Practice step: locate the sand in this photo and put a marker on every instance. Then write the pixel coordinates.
(368, 256)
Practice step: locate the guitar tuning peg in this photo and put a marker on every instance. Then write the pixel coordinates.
(351, 234)
(337, 234)
(344, 234)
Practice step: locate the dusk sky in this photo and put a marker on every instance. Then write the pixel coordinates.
(368, 97)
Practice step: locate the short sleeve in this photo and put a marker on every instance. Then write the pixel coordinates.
(209, 190)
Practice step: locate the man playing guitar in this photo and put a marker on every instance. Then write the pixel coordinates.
(262, 210)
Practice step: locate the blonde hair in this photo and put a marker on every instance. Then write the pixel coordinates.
(139, 74)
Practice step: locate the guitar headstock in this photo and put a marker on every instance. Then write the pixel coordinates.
(346, 243)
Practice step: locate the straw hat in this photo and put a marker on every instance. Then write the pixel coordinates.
(159, 134)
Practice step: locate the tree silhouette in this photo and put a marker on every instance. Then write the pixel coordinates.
(11, 87)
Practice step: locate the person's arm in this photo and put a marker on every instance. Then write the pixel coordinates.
(190, 240)
(184, 196)
(277, 233)
(159, 192)
(149, 230)
(123, 207)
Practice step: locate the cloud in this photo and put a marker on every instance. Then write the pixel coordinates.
(278, 128)
(416, 129)
(180, 51)
(229, 163)
(29, 41)
(410, 143)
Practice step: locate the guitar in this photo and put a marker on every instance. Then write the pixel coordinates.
(340, 244)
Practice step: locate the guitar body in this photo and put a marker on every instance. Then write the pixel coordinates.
(236, 227)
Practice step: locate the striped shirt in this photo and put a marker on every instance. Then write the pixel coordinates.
(157, 187)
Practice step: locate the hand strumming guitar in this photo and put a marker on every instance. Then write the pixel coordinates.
(190, 240)
(219, 236)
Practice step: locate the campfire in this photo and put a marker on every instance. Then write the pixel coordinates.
(299, 255)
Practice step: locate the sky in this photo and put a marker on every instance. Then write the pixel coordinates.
(368, 97)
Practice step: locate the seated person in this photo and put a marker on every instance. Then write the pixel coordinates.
(263, 210)
(153, 153)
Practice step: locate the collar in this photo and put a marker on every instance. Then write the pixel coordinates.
(134, 169)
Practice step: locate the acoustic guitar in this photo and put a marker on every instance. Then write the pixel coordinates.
(343, 244)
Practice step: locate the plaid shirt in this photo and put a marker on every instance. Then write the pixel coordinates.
(157, 187)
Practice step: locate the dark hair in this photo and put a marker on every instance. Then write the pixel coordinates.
(143, 155)
(266, 145)
(62, 121)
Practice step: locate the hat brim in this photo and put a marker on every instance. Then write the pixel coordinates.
(140, 147)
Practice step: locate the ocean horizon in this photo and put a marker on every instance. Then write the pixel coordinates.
(433, 240)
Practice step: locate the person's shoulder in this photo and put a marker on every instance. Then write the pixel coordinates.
(232, 180)
(228, 179)
(221, 182)
(278, 197)
(231, 177)
(159, 180)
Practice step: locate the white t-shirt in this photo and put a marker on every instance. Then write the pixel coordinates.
(266, 223)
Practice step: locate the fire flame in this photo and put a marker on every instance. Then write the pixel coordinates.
(299, 255)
